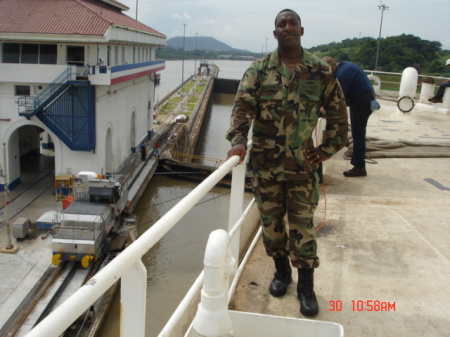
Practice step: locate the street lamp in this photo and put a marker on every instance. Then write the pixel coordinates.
(195, 65)
(137, 9)
(182, 68)
(383, 8)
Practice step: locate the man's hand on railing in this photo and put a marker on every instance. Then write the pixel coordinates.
(237, 150)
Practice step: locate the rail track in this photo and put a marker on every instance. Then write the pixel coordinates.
(56, 285)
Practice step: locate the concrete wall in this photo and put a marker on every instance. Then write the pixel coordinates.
(226, 86)
(121, 110)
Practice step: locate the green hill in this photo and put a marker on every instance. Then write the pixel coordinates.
(395, 54)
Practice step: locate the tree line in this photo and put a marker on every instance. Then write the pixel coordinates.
(395, 54)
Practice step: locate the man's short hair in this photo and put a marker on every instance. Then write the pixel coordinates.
(288, 10)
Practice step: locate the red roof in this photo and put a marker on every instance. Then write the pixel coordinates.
(65, 17)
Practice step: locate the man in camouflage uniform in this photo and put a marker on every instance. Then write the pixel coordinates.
(282, 94)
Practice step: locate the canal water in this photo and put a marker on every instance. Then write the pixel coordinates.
(177, 259)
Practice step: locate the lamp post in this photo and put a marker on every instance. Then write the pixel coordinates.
(195, 65)
(383, 8)
(137, 9)
(182, 68)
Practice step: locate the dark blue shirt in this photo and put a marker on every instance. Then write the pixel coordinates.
(354, 82)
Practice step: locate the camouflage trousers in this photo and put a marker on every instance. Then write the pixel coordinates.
(298, 200)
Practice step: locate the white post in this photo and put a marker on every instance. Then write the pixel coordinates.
(236, 204)
(426, 92)
(133, 296)
(446, 99)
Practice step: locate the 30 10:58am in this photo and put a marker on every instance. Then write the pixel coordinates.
(366, 305)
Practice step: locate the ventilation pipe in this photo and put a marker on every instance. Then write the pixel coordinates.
(212, 318)
(408, 87)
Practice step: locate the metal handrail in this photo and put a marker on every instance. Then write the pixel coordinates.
(128, 267)
(32, 103)
(188, 156)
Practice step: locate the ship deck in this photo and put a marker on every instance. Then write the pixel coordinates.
(383, 242)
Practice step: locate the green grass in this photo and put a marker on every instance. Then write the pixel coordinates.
(192, 101)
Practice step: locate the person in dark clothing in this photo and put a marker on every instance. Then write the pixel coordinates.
(446, 84)
(360, 97)
(143, 152)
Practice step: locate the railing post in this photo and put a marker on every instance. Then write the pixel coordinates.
(236, 205)
(133, 295)
(237, 198)
(236, 195)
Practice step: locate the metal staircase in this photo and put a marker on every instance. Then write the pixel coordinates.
(67, 108)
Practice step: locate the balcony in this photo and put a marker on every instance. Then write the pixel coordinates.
(107, 75)
(97, 75)
(31, 73)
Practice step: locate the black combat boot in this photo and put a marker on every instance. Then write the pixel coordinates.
(305, 292)
(283, 277)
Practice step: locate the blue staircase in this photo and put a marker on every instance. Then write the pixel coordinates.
(67, 108)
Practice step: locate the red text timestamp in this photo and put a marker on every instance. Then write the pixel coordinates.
(366, 305)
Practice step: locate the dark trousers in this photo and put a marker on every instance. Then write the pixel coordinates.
(359, 115)
(441, 90)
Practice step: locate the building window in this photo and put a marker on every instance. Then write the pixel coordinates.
(29, 53)
(22, 90)
(116, 55)
(11, 53)
(75, 55)
(47, 54)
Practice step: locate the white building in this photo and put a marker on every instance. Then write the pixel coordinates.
(78, 77)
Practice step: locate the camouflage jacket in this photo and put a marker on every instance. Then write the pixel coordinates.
(285, 108)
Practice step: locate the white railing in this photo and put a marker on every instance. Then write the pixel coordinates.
(374, 76)
(128, 266)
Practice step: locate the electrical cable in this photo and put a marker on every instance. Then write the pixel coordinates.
(324, 190)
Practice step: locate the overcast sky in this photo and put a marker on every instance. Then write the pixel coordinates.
(249, 24)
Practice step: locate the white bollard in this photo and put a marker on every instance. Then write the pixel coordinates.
(408, 83)
(446, 99)
(376, 83)
(426, 92)
(407, 91)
